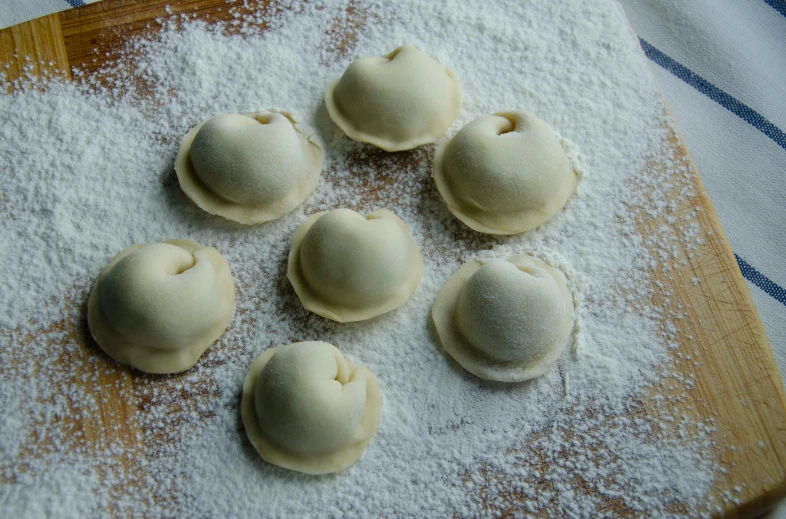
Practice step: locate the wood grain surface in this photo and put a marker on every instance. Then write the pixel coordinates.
(737, 382)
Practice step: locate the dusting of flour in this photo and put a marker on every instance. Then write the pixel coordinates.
(87, 170)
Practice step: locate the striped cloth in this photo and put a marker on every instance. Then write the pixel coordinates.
(722, 66)
(13, 12)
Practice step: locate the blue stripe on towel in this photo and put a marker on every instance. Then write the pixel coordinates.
(778, 5)
(761, 281)
(740, 109)
(75, 3)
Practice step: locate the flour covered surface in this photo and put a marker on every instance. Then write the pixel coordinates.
(88, 170)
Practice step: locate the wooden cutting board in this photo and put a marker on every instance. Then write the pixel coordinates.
(737, 382)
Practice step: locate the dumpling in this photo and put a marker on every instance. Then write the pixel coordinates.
(348, 267)
(504, 173)
(505, 320)
(396, 102)
(307, 408)
(159, 306)
(250, 168)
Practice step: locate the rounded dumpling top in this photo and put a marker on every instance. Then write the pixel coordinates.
(348, 267)
(511, 314)
(504, 173)
(396, 102)
(506, 320)
(250, 168)
(159, 306)
(307, 408)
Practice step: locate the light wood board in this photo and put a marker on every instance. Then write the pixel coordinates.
(737, 382)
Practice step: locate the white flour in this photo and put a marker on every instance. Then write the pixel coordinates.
(87, 170)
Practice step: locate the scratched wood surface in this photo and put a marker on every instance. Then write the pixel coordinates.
(736, 382)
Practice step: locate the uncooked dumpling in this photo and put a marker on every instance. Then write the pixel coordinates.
(159, 306)
(307, 408)
(396, 102)
(348, 267)
(505, 320)
(250, 168)
(504, 173)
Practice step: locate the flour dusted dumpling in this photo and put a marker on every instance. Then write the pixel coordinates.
(250, 168)
(159, 306)
(505, 320)
(395, 102)
(307, 408)
(504, 173)
(348, 267)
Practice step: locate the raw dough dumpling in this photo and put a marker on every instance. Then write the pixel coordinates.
(504, 173)
(307, 408)
(348, 267)
(159, 306)
(396, 102)
(505, 320)
(250, 168)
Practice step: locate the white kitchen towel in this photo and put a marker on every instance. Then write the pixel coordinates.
(722, 66)
(18, 11)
